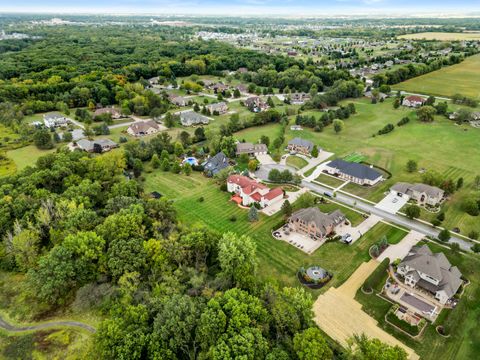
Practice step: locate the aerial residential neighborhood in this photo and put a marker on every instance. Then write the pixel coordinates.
(239, 180)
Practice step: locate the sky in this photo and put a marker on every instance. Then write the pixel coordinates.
(248, 7)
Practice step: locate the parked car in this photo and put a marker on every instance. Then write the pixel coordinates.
(346, 239)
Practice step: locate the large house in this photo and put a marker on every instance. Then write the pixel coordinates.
(98, 146)
(354, 172)
(114, 113)
(314, 223)
(215, 163)
(53, 120)
(300, 145)
(421, 193)
(413, 101)
(251, 149)
(178, 100)
(256, 104)
(217, 108)
(141, 128)
(219, 88)
(251, 192)
(431, 272)
(190, 118)
(299, 98)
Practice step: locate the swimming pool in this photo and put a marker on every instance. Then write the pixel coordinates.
(191, 160)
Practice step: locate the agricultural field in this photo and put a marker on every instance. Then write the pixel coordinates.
(442, 36)
(463, 78)
(281, 259)
(460, 323)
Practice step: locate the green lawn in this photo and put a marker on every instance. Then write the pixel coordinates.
(435, 146)
(461, 323)
(296, 162)
(253, 134)
(27, 155)
(329, 180)
(279, 261)
(463, 78)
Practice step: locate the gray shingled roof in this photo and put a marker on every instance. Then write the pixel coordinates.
(436, 266)
(404, 188)
(216, 163)
(301, 142)
(359, 171)
(192, 118)
(251, 148)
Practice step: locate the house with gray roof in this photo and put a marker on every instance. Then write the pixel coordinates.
(251, 149)
(421, 193)
(300, 145)
(354, 172)
(431, 272)
(190, 118)
(215, 163)
(98, 146)
(314, 223)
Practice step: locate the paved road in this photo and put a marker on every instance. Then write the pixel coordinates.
(393, 218)
(53, 324)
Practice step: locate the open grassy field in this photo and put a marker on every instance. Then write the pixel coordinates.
(329, 180)
(435, 146)
(442, 36)
(27, 156)
(279, 261)
(463, 78)
(460, 323)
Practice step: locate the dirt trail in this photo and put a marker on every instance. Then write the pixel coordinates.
(52, 324)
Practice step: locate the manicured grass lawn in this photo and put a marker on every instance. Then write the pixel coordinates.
(435, 146)
(278, 261)
(296, 162)
(254, 134)
(354, 217)
(27, 155)
(463, 78)
(460, 323)
(329, 180)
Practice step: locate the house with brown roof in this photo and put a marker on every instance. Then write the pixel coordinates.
(141, 128)
(314, 223)
(178, 100)
(413, 101)
(256, 104)
(251, 149)
(114, 113)
(432, 272)
(217, 108)
(421, 193)
(252, 192)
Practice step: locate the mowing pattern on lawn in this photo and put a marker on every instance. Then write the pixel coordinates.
(355, 157)
(281, 259)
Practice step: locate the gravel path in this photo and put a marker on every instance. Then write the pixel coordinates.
(53, 324)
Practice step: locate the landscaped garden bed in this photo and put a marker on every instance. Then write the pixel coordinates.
(314, 277)
(378, 248)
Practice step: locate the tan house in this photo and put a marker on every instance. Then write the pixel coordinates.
(314, 223)
(114, 113)
(141, 128)
(421, 193)
(300, 145)
(251, 149)
(217, 108)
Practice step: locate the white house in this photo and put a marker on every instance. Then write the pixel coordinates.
(53, 120)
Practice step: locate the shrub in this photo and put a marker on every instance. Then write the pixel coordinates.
(233, 218)
(444, 235)
(473, 234)
(386, 129)
(470, 206)
(201, 199)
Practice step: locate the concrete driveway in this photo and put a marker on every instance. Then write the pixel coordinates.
(391, 203)
(400, 250)
(265, 160)
(314, 162)
(292, 196)
(359, 230)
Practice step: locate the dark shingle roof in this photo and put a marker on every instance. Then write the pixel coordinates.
(354, 169)
(216, 163)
